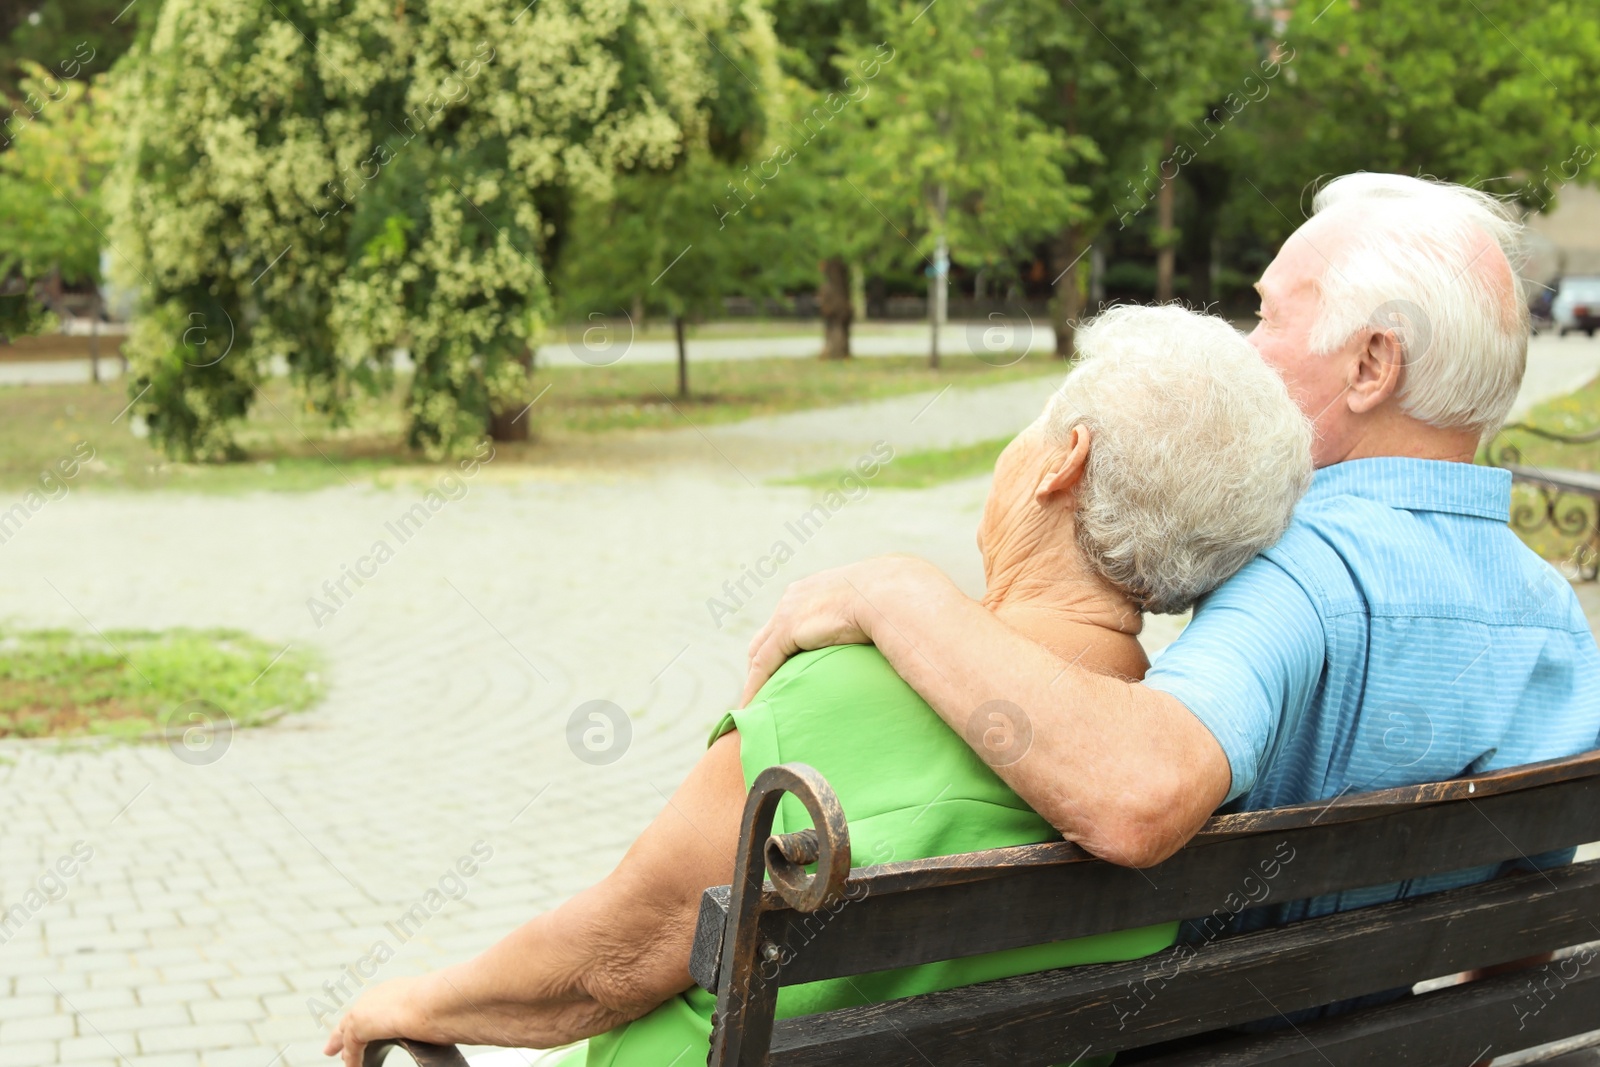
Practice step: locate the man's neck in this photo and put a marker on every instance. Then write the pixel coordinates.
(1402, 435)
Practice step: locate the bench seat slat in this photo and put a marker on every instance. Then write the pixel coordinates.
(1050, 1017)
(1028, 895)
(1452, 1027)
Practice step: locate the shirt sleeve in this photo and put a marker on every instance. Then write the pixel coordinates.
(1247, 665)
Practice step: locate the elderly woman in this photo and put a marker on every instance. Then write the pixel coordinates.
(1170, 456)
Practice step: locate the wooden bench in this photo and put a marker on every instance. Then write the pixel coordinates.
(1176, 1007)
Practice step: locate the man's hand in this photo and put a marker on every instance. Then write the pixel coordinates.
(385, 1010)
(832, 607)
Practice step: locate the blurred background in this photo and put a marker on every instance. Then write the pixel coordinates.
(408, 411)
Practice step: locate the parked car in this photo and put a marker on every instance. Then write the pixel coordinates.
(1539, 309)
(1577, 305)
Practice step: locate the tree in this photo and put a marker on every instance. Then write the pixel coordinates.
(1127, 75)
(51, 218)
(828, 218)
(1495, 96)
(71, 37)
(662, 242)
(324, 184)
(950, 153)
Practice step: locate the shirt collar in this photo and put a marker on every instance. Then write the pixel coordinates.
(1419, 485)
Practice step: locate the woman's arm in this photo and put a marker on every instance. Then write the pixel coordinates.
(1125, 771)
(605, 957)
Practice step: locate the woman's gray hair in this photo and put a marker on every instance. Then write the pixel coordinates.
(1197, 454)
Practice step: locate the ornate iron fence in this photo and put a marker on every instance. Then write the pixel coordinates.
(1569, 500)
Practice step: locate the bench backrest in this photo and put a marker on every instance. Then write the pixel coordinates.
(753, 938)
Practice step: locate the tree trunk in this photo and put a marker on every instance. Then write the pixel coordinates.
(94, 339)
(1067, 307)
(1209, 184)
(511, 424)
(1166, 250)
(939, 284)
(683, 357)
(833, 302)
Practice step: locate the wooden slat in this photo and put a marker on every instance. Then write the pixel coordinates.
(1453, 1027)
(1004, 898)
(1050, 1017)
(1382, 801)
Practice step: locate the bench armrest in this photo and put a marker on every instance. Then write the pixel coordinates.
(424, 1054)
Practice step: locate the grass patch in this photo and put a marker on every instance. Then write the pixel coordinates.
(134, 683)
(1575, 413)
(291, 448)
(918, 470)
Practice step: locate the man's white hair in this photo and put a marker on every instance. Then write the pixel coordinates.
(1197, 454)
(1440, 263)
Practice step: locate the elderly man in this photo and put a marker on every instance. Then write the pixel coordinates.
(1398, 633)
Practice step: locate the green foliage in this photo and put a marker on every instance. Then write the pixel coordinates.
(21, 314)
(60, 683)
(1126, 75)
(920, 470)
(72, 37)
(1496, 95)
(51, 217)
(662, 243)
(945, 140)
(325, 182)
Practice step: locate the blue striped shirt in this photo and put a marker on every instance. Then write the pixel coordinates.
(1398, 633)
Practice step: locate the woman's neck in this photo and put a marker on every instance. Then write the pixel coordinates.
(1075, 614)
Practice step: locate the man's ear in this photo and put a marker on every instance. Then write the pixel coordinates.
(1377, 371)
(1066, 467)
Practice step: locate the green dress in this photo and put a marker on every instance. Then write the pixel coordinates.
(911, 789)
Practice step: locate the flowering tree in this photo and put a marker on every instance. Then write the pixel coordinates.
(54, 151)
(322, 180)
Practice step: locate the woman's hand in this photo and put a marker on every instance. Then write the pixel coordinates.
(834, 607)
(389, 1009)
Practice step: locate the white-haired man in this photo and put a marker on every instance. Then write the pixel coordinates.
(1398, 633)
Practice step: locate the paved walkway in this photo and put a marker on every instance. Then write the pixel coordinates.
(1556, 365)
(209, 903)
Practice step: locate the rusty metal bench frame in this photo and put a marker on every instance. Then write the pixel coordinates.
(1574, 520)
(1173, 1008)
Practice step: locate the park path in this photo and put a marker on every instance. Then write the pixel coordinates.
(220, 897)
(1556, 365)
(1000, 340)
(212, 902)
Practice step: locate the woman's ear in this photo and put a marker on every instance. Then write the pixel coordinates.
(1066, 467)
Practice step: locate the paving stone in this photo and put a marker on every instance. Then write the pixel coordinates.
(176, 993)
(27, 1007)
(39, 1028)
(30, 1054)
(232, 1009)
(200, 1036)
(78, 1050)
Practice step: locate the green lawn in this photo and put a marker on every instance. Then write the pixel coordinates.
(1575, 413)
(919, 470)
(290, 448)
(136, 684)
